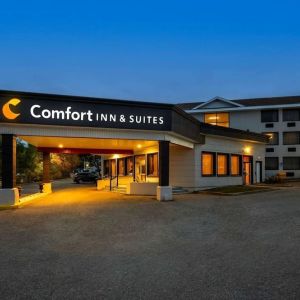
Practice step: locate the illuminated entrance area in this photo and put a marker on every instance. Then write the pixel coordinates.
(146, 148)
(127, 166)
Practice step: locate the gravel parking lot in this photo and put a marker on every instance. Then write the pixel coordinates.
(83, 244)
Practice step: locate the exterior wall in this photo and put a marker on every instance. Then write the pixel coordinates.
(185, 164)
(182, 166)
(251, 120)
(230, 146)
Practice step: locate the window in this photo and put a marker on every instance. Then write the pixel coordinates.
(219, 119)
(269, 149)
(235, 163)
(291, 138)
(271, 163)
(291, 115)
(291, 163)
(222, 164)
(129, 165)
(152, 164)
(269, 115)
(208, 168)
(106, 167)
(269, 125)
(121, 166)
(273, 138)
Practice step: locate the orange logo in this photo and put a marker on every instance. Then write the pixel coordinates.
(7, 112)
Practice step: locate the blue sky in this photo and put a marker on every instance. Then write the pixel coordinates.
(164, 51)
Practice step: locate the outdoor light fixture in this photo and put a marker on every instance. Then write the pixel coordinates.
(115, 156)
(60, 146)
(247, 150)
(139, 146)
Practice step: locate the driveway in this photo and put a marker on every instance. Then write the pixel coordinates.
(84, 244)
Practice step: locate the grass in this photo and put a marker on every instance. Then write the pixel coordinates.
(237, 189)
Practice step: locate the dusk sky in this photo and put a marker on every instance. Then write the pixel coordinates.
(165, 51)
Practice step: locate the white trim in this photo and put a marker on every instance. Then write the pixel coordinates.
(217, 98)
(90, 132)
(260, 107)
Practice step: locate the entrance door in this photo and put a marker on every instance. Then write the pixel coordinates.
(140, 168)
(247, 173)
(258, 170)
(247, 169)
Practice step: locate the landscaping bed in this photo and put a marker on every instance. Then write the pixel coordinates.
(237, 190)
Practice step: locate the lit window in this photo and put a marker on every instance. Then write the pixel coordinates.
(222, 163)
(219, 119)
(121, 166)
(129, 165)
(207, 164)
(152, 164)
(235, 165)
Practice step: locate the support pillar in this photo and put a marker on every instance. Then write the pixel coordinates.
(46, 173)
(164, 190)
(9, 194)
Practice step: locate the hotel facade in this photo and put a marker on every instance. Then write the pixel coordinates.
(277, 117)
(147, 148)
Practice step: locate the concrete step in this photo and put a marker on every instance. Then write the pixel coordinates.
(179, 190)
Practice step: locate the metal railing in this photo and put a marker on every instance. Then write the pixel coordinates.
(113, 182)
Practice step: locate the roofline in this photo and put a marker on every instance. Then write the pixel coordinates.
(259, 107)
(218, 98)
(57, 97)
(86, 98)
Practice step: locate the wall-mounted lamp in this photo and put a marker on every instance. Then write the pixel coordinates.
(247, 150)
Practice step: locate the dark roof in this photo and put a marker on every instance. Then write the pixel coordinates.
(233, 133)
(269, 101)
(250, 102)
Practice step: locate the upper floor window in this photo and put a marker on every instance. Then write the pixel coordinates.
(269, 115)
(291, 115)
(219, 119)
(273, 138)
(291, 138)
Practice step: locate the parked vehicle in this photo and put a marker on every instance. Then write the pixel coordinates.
(85, 176)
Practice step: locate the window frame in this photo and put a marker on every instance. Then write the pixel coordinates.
(286, 132)
(147, 168)
(239, 164)
(213, 154)
(286, 111)
(271, 157)
(274, 133)
(268, 121)
(289, 157)
(227, 164)
(216, 115)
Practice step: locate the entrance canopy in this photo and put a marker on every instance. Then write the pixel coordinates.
(86, 145)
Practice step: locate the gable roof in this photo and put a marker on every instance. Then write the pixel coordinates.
(220, 99)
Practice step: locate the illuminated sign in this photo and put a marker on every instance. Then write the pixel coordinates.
(80, 113)
(6, 109)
